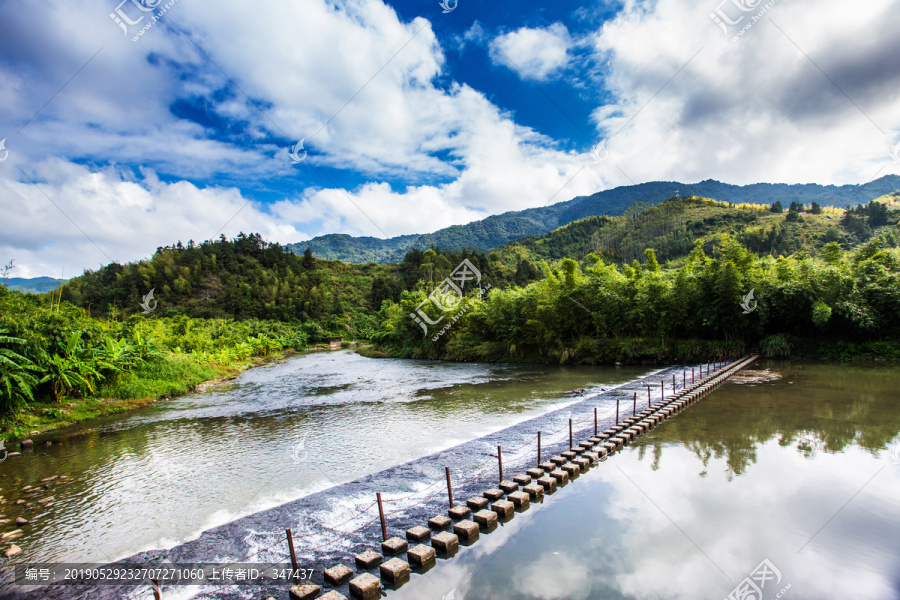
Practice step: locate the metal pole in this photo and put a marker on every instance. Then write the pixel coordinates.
(157, 595)
(595, 421)
(290, 539)
(500, 459)
(449, 487)
(617, 410)
(692, 375)
(634, 410)
(683, 379)
(570, 434)
(662, 389)
(673, 383)
(539, 448)
(381, 513)
(648, 394)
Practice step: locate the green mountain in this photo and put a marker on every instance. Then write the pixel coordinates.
(35, 285)
(501, 229)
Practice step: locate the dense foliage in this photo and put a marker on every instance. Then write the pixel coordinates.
(241, 279)
(57, 351)
(606, 312)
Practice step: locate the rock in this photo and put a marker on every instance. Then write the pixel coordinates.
(11, 534)
(13, 454)
(618, 364)
(26, 443)
(13, 550)
(48, 479)
(21, 521)
(20, 501)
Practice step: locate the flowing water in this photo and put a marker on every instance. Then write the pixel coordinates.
(794, 464)
(162, 475)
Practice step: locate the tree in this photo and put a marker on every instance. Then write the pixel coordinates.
(777, 207)
(816, 209)
(309, 261)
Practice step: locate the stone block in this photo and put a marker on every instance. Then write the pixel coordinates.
(368, 559)
(395, 570)
(519, 499)
(504, 509)
(420, 555)
(338, 574)
(445, 542)
(393, 546)
(418, 533)
(485, 518)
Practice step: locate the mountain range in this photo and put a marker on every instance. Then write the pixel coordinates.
(500, 229)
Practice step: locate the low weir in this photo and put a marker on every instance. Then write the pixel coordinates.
(356, 539)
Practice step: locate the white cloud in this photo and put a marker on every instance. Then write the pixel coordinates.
(756, 109)
(534, 53)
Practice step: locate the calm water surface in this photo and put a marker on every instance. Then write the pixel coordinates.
(795, 464)
(164, 474)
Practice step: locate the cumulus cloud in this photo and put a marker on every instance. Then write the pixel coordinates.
(801, 96)
(534, 53)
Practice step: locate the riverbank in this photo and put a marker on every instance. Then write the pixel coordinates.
(175, 377)
(650, 352)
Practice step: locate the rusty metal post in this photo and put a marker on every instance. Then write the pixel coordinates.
(595, 421)
(617, 410)
(570, 434)
(634, 409)
(381, 513)
(539, 448)
(449, 487)
(500, 460)
(662, 389)
(157, 595)
(290, 540)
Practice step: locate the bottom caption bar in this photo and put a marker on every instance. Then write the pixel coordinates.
(39, 574)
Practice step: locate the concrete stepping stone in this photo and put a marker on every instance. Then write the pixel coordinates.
(338, 574)
(439, 522)
(369, 559)
(395, 570)
(571, 469)
(477, 503)
(393, 546)
(560, 476)
(508, 486)
(418, 534)
(445, 542)
(548, 483)
(466, 530)
(333, 595)
(305, 591)
(583, 463)
(504, 509)
(522, 479)
(459, 512)
(493, 494)
(569, 455)
(519, 499)
(485, 518)
(547, 466)
(535, 490)
(559, 460)
(420, 555)
(535, 472)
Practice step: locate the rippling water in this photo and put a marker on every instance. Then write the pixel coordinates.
(164, 474)
(795, 464)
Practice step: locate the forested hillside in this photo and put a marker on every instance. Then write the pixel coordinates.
(501, 229)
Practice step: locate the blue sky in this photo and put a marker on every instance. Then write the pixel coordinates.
(124, 133)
